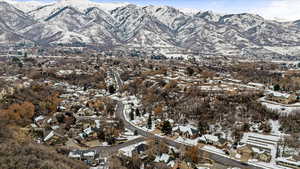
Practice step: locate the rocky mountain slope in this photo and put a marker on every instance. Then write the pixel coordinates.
(115, 24)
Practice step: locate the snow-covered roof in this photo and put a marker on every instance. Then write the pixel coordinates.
(39, 118)
(97, 123)
(288, 160)
(188, 128)
(208, 137)
(267, 142)
(88, 130)
(89, 154)
(171, 163)
(256, 84)
(49, 136)
(128, 150)
(256, 137)
(55, 127)
(278, 94)
(74, 154)
(49, 120)
(234, 80)
(162, 158)
(33, 125)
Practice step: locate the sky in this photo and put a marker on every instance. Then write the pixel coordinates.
(271, 9)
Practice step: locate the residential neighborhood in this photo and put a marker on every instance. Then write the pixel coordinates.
(113, 113)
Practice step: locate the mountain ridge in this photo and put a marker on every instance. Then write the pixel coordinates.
(151, 26)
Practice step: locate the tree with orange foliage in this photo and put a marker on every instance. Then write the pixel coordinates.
(49, 105)
(19, 112)
(192, 153)
(158, 110)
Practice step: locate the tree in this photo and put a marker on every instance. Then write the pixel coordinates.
(20, 113)
(114, 163)
(149, 123)
(158, 111)
(101, 135)
(190, 71)
(137, 112)
(131, 115)
(246, 127)
(192, 154)
(111, 89)
(136, 162)
(276, 87)
(202, 127)
(266, 127)
(167, 128)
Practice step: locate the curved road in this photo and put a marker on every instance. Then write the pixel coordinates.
(119, 113)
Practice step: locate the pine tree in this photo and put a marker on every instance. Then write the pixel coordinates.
(276, 87)
(111, 89)
(137, 112)
(167, 128)
(202, 127)
(131, 115)
(149, 122)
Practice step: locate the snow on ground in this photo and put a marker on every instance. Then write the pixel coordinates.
(269, 142)
(129, 135)
(294, 50)
(277, 94)
(266, 165)
(139, 122)
(213, 149)
(280, 108)
(187, 141)
(275, 125)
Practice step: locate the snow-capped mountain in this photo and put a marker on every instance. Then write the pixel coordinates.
(297, 22)
(81, 5)
(117, 24)
(25, 6)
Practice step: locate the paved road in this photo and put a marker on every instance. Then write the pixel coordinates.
(106, 151)
(217, 158)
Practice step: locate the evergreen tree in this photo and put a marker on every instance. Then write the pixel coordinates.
(276, 87)
(202, 127)
(111, 89)
(137, 112)
(131, 115)
(144, 111)
(149, 123)
(167, 128)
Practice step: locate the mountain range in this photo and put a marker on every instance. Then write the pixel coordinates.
(123, 24)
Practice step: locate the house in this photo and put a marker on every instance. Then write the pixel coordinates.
(140, 149)
(257, 85)
(187, 131)
(53, 138)
(163, 158)
(292, 162)
(209, 139)
(266, 143)
(76, 154)
(89, 156)
(282, 97)
(88, 133)
(39, 121)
